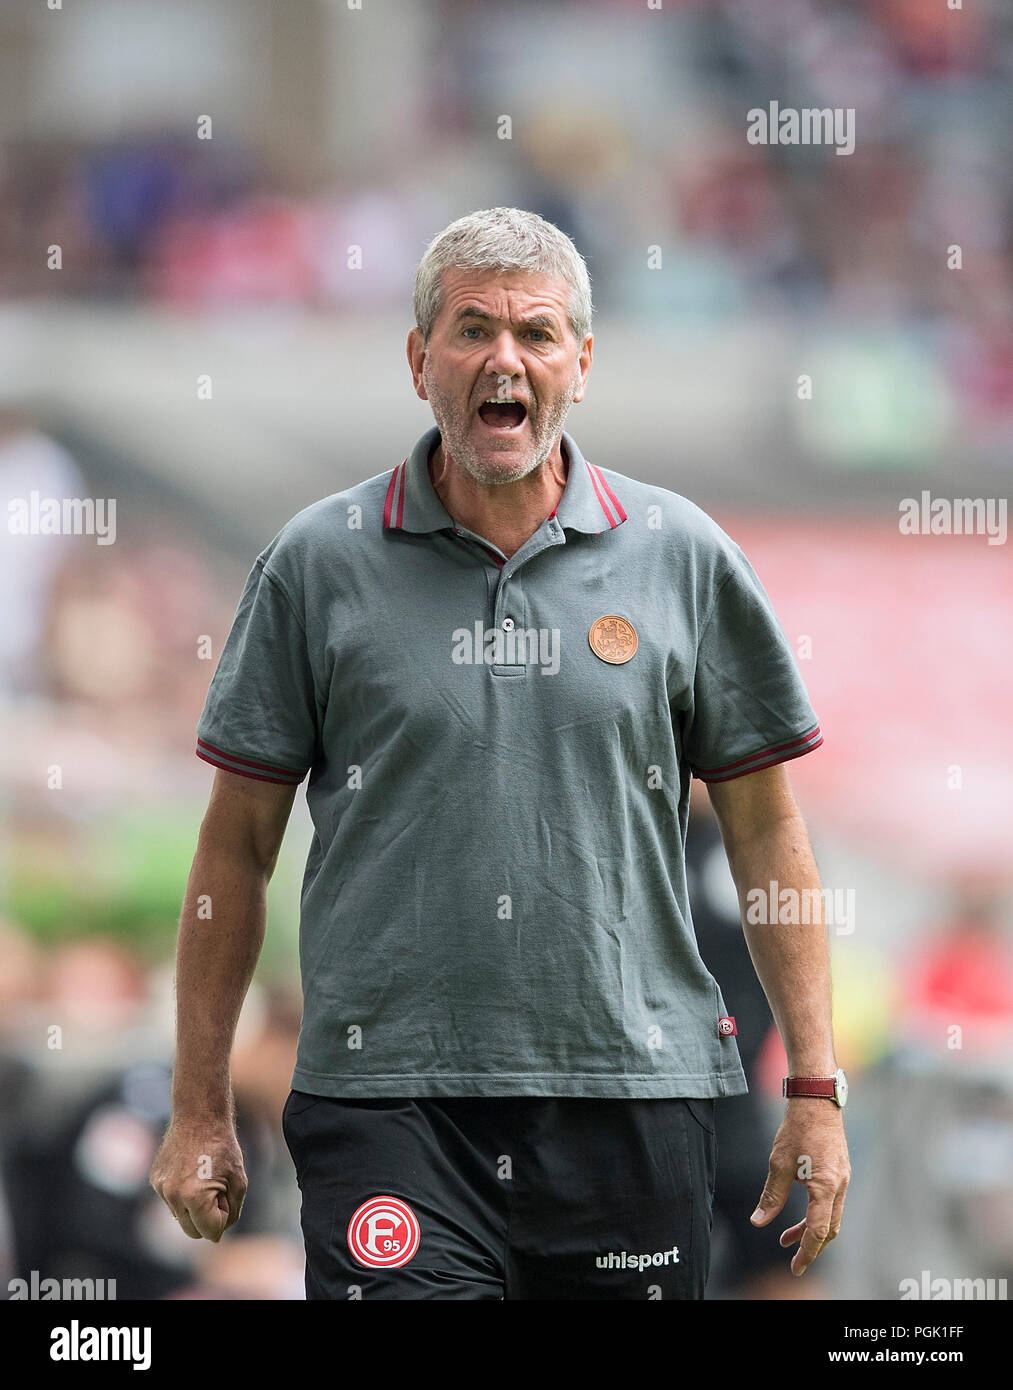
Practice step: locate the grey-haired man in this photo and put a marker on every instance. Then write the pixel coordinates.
(501, 666)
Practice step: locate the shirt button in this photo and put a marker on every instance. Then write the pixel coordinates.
(508, 624)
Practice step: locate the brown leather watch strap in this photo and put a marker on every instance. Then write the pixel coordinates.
(822, 1086)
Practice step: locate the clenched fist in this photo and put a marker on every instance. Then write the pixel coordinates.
(198, 1172)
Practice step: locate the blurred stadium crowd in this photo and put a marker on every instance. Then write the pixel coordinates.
(626, 137)
(621, 156)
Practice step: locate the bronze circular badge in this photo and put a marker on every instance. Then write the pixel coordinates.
(613, 639)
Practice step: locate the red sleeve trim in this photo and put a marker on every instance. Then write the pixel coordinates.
(244, 767)
(767, 757)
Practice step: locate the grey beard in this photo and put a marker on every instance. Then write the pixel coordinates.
(453, 429)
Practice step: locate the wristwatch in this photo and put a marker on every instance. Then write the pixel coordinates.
(833, 1088)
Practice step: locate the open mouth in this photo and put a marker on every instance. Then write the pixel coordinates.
(502, 416)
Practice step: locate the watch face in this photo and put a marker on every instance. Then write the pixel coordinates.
(841, 1088)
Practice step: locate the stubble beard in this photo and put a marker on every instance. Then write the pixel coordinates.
(546, 424)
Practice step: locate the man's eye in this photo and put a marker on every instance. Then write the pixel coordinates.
(473, 329)
(541, 331)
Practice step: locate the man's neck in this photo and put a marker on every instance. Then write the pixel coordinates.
(507, 514)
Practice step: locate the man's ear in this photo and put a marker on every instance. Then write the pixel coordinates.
(584, 366)
(416, 350)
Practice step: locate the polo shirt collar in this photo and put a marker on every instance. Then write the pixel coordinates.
(588, 503)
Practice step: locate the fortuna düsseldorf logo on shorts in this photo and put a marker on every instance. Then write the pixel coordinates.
(383, 1233)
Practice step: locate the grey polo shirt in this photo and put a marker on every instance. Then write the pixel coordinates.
(499, 755)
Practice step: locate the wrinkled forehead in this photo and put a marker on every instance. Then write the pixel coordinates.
(504, 294)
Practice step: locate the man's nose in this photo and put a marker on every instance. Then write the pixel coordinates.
(504, 358)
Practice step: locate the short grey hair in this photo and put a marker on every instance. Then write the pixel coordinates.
(502, 239)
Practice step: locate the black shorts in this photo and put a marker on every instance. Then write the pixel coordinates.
(515, 1198)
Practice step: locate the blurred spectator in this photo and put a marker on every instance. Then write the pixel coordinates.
(958, 985)
(75, 1175)
(29, 461)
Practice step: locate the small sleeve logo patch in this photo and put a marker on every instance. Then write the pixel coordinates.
(613, 639)
(727, 1028)
(383, 1233)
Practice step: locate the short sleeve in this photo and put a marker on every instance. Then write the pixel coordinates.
(750, 706)
(259, 718)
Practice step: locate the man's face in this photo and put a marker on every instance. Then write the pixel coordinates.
(500, 336)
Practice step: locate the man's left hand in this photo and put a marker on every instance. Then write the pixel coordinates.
(809, 1148)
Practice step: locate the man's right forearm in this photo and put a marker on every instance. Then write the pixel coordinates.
(221, 933)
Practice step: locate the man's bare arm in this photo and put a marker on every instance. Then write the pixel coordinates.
(198, 1170)
(765, 839)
